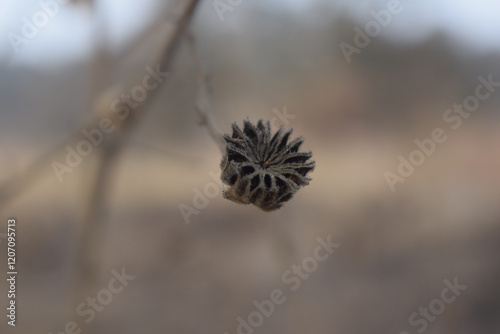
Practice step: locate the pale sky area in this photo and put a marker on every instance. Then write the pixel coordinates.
(473, 25)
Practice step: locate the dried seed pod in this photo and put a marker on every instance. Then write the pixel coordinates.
(263, 170)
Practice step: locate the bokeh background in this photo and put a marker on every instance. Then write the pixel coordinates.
(264, 58)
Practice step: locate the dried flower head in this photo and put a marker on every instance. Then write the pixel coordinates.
(263, 170)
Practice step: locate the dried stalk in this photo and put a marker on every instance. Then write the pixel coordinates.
(93, 232)
(203, 105)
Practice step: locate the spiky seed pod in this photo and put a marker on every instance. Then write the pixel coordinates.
(263, 170)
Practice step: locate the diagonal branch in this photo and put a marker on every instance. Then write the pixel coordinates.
(88, 253)
(21, 181)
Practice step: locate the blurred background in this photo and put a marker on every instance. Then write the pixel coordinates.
(125, 203)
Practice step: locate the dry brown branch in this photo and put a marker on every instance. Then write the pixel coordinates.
(86, 265)
(22, 180)
(93, 230)
(89, 248)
